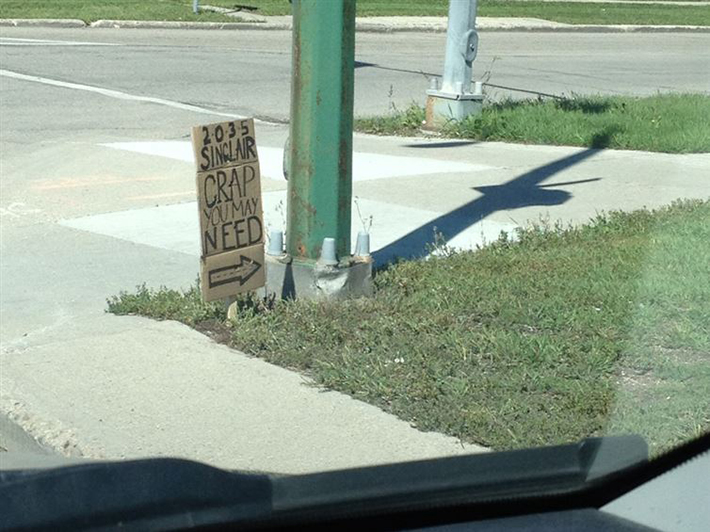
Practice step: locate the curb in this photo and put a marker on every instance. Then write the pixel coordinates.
(365, 27)
(175, 25)
(42, 23)
(600, 28)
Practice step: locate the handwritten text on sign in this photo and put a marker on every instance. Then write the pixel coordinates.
(230, 208)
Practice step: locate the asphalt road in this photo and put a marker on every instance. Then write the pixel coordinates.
(248, 72)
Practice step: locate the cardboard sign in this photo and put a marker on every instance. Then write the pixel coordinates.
(230, 209)
(224, 144)
(233, 272)
(229, 201)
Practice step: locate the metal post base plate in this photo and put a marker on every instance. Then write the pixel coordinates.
(291, 279)
(442, 109)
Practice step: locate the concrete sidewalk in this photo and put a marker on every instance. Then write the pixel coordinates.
(95, 385)
(363, 24)
(404, 188)
(119, 388)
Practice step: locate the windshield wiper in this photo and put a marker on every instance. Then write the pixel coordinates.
(170, 493)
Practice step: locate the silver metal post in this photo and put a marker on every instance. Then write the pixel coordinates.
(195, 6)
(455, 100)
(461, 46)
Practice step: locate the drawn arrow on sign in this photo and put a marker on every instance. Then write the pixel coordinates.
(240, 272)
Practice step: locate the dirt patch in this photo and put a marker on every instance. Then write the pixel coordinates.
(633, 379)
(685, 356)
(216, 330)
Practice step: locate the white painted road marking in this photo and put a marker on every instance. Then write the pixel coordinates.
(117, 94)
(9, 41)
(366, 166)
(17, 209)
(178, 150)
(176, 227)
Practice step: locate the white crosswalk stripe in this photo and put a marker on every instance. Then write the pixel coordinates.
(176, 227)
(11, 41)
(366, 166)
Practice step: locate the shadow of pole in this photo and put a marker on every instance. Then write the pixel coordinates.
(523, 191)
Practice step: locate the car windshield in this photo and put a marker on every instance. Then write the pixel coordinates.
(296, 237)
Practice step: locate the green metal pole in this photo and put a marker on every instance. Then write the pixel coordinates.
(320, 177)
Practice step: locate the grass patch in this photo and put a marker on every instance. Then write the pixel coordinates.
(559, 334)
(571, 13)
(92, 10)
(185, 306)
(671, 123)
(591, 13)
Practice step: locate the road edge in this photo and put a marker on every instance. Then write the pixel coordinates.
(47, 436)
(361, 26)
